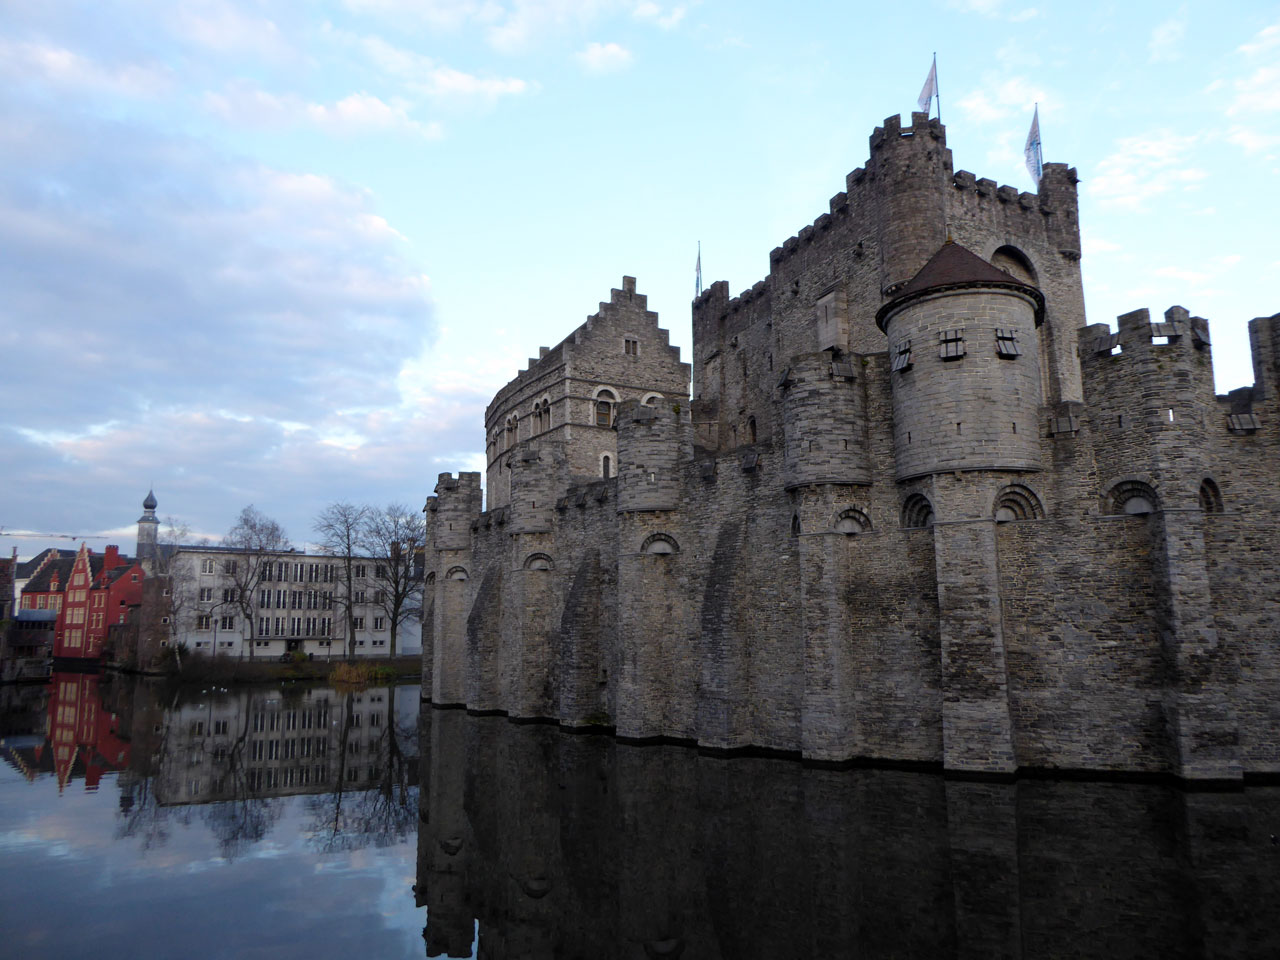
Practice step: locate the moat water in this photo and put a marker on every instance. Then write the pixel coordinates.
(138, 820)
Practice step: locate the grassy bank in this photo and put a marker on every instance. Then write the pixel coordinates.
(365, 671)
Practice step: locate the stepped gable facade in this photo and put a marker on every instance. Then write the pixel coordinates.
(916, 509)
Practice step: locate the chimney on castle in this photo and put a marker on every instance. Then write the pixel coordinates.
(111, 557)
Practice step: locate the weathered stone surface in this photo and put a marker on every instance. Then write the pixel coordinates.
(969, 554)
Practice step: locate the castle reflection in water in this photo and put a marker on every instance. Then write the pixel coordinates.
(537, 844)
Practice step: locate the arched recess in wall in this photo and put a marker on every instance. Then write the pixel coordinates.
(795, 525)
(851, 521)
(1015, 263)
(659, 544)
(606, 466)
(539, 561)
(651, 399)
(431, 579)
(917, 512)
(456, 573)
(605, 403)
(1017, 502)
(1131, 495)
(1210, 496)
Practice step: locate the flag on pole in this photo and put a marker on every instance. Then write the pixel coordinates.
(1035, 159)
(930, 89)
(698, 272)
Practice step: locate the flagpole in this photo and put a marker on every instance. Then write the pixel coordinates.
(937, 89)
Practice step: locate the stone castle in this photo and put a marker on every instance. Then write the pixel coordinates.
(915, 509)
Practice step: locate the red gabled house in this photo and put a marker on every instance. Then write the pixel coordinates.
(89, 594)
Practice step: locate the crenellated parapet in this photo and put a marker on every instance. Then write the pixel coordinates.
(1150, 394)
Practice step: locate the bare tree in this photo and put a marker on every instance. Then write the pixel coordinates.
(341, 527)
(255, 540)
(393, 539)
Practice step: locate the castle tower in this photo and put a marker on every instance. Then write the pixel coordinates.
(965, 386)
(449, 581)
(1152, 404)
(653, 440)
(824, 422)
(912, 170)
(148, 529)
(963, 349)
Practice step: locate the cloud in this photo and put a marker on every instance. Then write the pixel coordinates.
(1000, 100)
(221, 27)
(1165, 44)
(355, 114)
(654, 13)
(186, 317)
(994, 9)
(603, 57)
(61, 69)
(427, 77)
(1252, 140)
(1145, 166)
(1267, 39)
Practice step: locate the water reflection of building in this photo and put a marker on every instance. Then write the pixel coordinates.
(81, 739)
(270, 743)
(569, 846)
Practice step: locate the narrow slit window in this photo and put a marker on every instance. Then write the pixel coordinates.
(951, 344)
(902, 359)
(1007, 344)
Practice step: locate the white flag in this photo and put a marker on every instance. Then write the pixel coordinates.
(930, 87)
(1035, 160)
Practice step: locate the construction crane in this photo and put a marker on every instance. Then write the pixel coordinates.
(58, 536)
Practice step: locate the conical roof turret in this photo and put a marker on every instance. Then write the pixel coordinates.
(955, 268)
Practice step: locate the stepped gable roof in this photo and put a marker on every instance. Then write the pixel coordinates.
(27, 568)
(955, 268)
(43, 581)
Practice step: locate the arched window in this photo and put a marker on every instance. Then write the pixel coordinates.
(606, 468)
(456, 573)
(546, 414)
(659, 544)
(651, 399)
(511, 433)
(1016, 502)
(1210, 497)
(917, 512)
(538, 561)
(852, 521)
(1133, 497)
(751, 429)
(795, 524)
(605, 399)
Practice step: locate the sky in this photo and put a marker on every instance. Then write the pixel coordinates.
(284, 253)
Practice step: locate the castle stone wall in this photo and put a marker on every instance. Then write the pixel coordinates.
(808, 557)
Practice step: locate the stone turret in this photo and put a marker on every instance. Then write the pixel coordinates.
(824, 421)
(912, 169)
(963, 352)
(653, 441)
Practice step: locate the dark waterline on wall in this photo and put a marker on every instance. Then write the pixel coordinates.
(142, 821)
